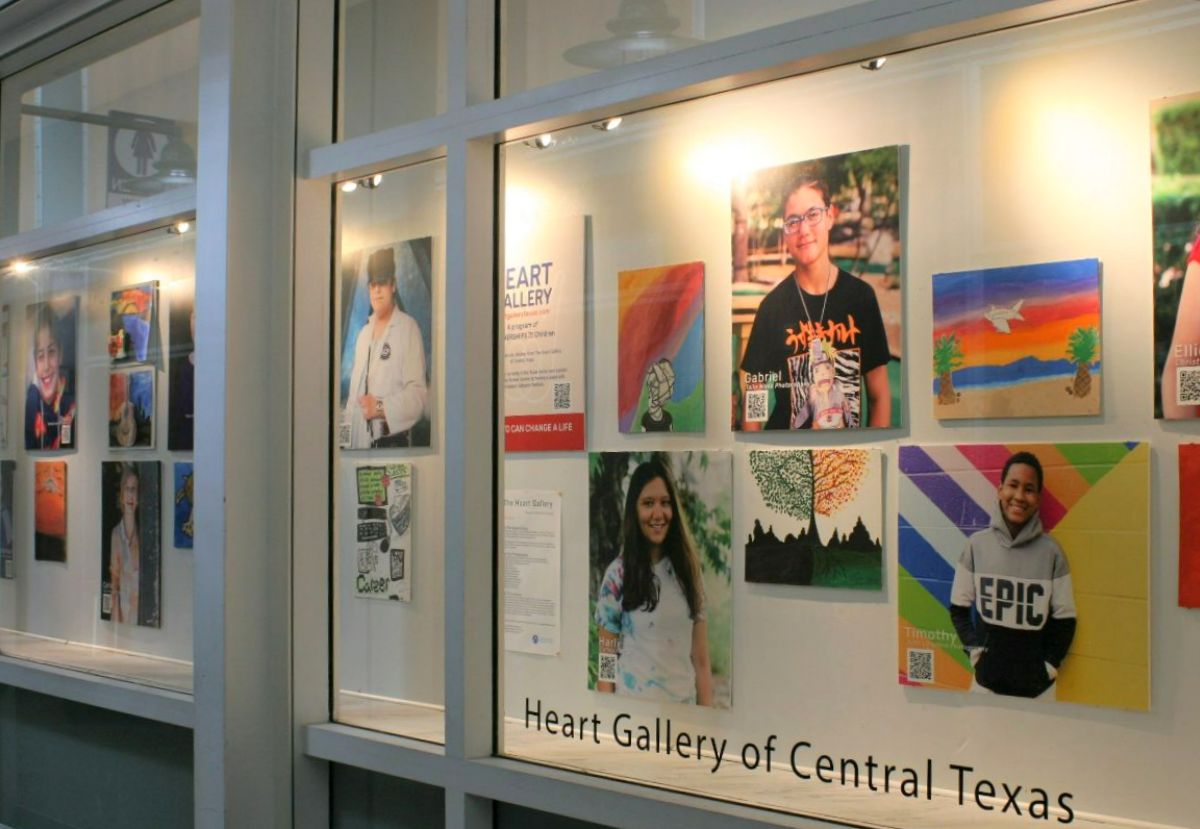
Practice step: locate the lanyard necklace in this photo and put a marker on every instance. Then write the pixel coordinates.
(824, 303)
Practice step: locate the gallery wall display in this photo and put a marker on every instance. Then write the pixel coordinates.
(131, 412)
(383, 552)
(181, 367)
(50, 396)
(185, 500)
(7, 471)
(1175, 196)
(1189, 525)
(387, 346)
(544, 336)
(660, 348)
(817, 518)
(1020, 341)
(660, 613)
(130, 543)
(131, 329)
(817, 293)
(1023, 584)
(50, 511)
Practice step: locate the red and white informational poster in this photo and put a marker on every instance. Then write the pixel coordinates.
(1189, 525)
(544, 343)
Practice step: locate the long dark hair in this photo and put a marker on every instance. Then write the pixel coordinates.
(639, 590)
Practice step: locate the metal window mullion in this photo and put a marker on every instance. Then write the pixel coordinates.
(469, 450)
(242, 748)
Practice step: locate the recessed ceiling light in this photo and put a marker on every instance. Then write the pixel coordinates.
(608, 124)
(874, 64)
(349, 186)
(541, 142)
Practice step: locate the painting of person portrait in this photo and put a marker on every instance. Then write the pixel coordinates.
(386, 310)
(130, 543)
(660, 601)
(817, 293)
(50, 374)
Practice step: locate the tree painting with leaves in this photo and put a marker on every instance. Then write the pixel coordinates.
(947, 356)
(1082, 347)
(703, 483)
(842, 486)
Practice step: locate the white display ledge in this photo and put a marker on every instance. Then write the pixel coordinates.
(415, 720)
(143, 686)
(579, 780)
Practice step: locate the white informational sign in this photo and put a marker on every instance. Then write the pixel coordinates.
(532, 566)
(383, 540)
(544, 368)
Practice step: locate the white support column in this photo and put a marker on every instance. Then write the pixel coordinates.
(470, 450)
(312, 406)
(471, 49)
(243, 734)
(466, 811)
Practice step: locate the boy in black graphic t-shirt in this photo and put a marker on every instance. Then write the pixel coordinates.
(818, 317)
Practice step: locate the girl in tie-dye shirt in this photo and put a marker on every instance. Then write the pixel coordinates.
(650, 609)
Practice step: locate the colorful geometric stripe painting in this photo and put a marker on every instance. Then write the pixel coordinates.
(660, 342)
(1094, 503)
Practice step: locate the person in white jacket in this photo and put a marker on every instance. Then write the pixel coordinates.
(388, 392)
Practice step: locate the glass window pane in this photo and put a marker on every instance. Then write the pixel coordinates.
(388, 579)
(701, 598)
(393, 63)
(97, 378)
(544, 41)
(108, 122)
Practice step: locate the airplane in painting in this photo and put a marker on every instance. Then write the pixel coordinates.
(1000, 317)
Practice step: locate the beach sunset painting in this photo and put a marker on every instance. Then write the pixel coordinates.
(1020, 341)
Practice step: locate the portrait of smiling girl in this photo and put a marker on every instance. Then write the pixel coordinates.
(651, 609)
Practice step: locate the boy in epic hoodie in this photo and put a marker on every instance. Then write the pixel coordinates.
(1018, 580)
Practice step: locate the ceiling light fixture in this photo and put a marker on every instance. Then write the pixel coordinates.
(874, 64)
(180, 228)
(21, 267)
(541, 142)
(608, 124)
(642, 29)
(349, 186)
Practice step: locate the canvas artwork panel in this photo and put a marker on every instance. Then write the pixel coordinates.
(50, 511)
(660, 348)
(818, 518)
(131, 325)
(50, 373)
(1061, 610)
(7, 566)
(387, 346)
(130, 543)
(1020, 341)
(185, 500)
(181, 367)
(131, 409)
(1175, 211)
(817, 308)
(660, 565)
(1189, 525)
(383, 539)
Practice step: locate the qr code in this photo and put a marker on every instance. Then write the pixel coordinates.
(106, 604)
(920, 665)
(608, 667)
(66, 434)
(1187, 386)
(366, 558)
(344, 434)
(397, 560)
(562, 395)
(756, 406)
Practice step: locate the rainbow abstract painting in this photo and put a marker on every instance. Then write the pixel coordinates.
(660, 339)
(1017, 342)
(1095, 502)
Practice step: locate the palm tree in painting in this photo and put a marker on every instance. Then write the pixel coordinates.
(947, 356)
(1082, 347)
